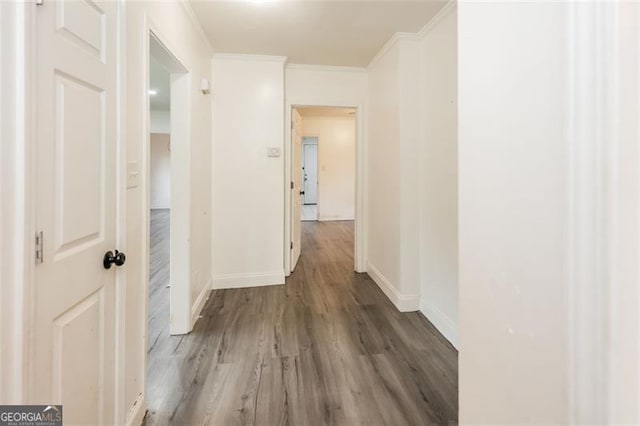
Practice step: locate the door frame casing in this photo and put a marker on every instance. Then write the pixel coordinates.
(360, 240)
(604, 226)
(17, 218)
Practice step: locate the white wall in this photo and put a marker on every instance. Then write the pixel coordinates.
(336, 165)
(393, 152)
(160, 171)
(513, 209)
(438, 186)
(248, 186)
(178, 30)
(383, 172)
(160, 121)
(624, 185)
(412, 152)
(325, 86)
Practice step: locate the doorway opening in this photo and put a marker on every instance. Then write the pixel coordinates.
(166, 203)
(159, 201)
(323, 170)
(166, 208)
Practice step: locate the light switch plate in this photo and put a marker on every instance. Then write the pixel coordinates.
(273, 152)
(133, 174)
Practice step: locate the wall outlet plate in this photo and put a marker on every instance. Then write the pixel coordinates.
(273, 152)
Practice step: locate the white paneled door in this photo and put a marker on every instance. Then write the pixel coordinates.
(296, 188)
(73, 342)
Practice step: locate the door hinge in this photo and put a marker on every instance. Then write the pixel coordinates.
(291, 245)
(39, 247)
(291, 184)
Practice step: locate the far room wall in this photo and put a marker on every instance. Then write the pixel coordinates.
(336, 165)
(160, 171)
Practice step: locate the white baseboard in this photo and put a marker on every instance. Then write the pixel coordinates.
(136, 412)
(404, 302)
(445, 325)
(334, 219)
(248, 280)
(199, 304)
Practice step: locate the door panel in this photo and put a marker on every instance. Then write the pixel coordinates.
(310, 156)
(81, 326)
(296, 197)
(73, 349)
(83, 23)
(78, 152)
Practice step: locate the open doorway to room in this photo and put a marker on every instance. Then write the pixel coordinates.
(160, 201)
(323, 154)
(167, 209)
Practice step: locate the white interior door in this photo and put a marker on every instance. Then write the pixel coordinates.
(310, 161)
(296, 188)
(76, 119)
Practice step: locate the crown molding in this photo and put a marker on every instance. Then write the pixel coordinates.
(249, 57)
(329, 68)
(186, 6)
(389, 45)
(448, 8)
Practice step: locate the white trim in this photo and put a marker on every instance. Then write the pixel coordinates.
(325, 68)
(638, 196)
(248, 57)
(137, 411)
(360, 240)
(388, 45)
(449, 7)
(247, 280)
(195, 23)
(17, 224)
(445, 325)
(335, 219)
(588, 110)
(121, 218)
(433, 22)
(404, 302)
(201, 300)
(326, 118)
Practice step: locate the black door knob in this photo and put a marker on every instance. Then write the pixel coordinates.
(301, 192)
(110, 258)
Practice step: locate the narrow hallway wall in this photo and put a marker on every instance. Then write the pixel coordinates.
(248, 184)
(439, 174)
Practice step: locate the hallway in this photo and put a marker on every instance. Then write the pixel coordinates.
(326, 348)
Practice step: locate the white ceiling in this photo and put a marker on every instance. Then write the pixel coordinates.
(159, 80)
(326, 112)
(329, 32)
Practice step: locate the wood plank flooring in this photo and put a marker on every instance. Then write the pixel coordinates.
(327, 347)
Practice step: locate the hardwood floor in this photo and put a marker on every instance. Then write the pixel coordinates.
(327, 347)
(158, 282)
